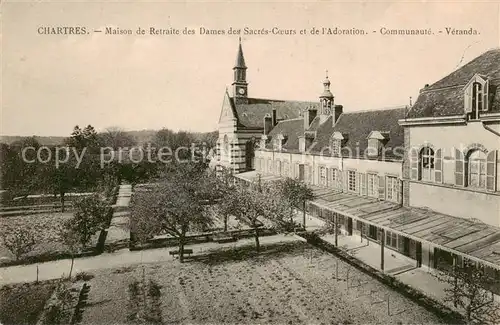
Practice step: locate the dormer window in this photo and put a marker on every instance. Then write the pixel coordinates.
(263, 139)
(336, 142)
(476, 97)
(278, 142)
(376, 141)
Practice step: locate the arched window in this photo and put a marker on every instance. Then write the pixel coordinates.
(476, 169)
(427, 164)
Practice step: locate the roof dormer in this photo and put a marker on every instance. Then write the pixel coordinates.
(476, 99)
(337, 141)
(376, 141)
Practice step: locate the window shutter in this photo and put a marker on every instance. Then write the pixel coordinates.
(399, 189)
(362, 179)
(381, 187)
(340, 179)
(491, 171)
(468, 99)
(459, 168)
(413, 164)
(485, 96)
(438, 166)
(328, 177)
(345, 181)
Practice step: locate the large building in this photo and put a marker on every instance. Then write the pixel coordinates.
(420, 180)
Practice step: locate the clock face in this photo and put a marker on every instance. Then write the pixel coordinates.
(241, 91)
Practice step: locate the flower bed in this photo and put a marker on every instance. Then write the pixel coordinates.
(45, 228)
(23, 303)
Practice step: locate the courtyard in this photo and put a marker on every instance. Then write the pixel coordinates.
(289, 282)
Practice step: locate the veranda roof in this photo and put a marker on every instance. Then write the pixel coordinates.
(475, 240)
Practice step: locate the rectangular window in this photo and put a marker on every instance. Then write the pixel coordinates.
(351, 179)
(391, 239)
(392, 188)
(310, 178)
(278, 167)
(372, 185)
(322, 176)
(270, 166)
(286, 169)
(297, 170)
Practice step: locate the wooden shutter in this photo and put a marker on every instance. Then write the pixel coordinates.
(328, 175)
(438, 166)
(491, 171)
(485, 96)
(399, 189)
(468, 99)
(414, 164)
(459, 168)
(345, 181)
(381, 187)
(340, 178)
(362, 181)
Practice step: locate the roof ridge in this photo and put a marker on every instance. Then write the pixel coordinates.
(424, 90)
(284, 100)
(378, 109)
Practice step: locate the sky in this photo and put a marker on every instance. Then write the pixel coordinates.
(50, 83)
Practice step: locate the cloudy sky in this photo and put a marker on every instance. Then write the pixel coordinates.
(52, 82)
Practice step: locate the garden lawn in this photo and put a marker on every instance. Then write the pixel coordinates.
(23, 303)
(45, 228)
(285, 283)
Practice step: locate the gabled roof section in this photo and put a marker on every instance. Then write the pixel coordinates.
(355, 128)
(290, 130)
(446, 96)
(252, 113)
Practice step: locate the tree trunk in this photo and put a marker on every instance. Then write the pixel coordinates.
(257, 243)
(225, 222)
(62, 201)
(72, 263)
(304, 214)
(291, 216)
(181, 248)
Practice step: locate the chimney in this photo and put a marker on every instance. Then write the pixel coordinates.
(268, 124)
(337, 112)
(275, 121)
(309, 116)
(302, 143)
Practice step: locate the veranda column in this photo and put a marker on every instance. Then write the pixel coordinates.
(382, 244)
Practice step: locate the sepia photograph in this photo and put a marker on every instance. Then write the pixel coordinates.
(235, 162)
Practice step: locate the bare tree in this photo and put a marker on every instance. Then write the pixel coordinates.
(117, 137)
(19, 241)
(174, 206)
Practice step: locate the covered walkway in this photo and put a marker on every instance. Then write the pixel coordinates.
(410, 231)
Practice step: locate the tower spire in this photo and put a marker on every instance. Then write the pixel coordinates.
(326, 100)
(240, 59)
(240, 85)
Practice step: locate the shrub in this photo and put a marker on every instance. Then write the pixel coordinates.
(83, 276)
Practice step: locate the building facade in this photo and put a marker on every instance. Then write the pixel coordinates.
(421, 181)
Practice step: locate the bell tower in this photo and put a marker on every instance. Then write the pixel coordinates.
(326, 101)
(240, 85)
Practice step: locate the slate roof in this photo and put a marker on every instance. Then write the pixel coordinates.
(445, 97)
(357, 126)
(291, 129)
(252, 114)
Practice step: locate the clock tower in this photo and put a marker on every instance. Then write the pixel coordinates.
(326, 100)
(240, 85)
